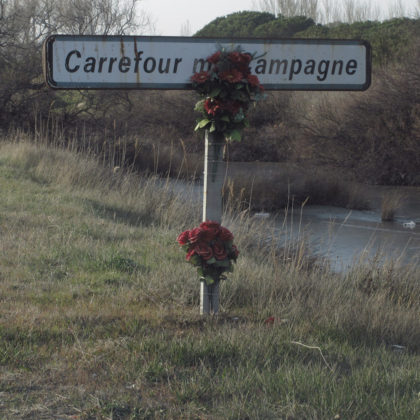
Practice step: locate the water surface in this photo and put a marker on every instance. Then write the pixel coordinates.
(343, 235)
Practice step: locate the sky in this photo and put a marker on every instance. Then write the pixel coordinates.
(170, 17)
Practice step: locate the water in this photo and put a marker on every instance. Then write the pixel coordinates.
(341, 235)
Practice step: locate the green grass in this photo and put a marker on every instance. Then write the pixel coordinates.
(99, 312)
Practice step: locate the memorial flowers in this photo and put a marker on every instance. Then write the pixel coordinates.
(210, 248)
(228, 89)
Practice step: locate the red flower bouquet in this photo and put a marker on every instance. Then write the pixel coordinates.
(228, 88)
(210, 248)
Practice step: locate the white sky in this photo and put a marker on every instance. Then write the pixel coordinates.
(170, 16)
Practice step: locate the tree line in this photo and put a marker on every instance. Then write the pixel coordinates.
(390, 39)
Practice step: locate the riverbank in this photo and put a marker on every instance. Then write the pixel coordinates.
(99, 314)
(272, 186)
(340, 234)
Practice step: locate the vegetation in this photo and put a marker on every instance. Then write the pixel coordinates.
(391, 202)
(372, 135)
(99, 312)
(23, 27)
(391, 39)
(239, 24)
(292, 186)
(283, 27)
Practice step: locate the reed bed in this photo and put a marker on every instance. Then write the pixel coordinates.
(391, 203)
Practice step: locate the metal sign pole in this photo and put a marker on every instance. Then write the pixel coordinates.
(214, 175)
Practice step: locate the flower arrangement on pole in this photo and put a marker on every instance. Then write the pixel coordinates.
(228, 88)
(210, 248)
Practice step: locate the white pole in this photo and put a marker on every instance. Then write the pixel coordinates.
(214, 175)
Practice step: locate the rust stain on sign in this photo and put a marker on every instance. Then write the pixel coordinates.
(136, 54)
(122, 48)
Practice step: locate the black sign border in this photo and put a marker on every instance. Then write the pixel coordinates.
(49, 78)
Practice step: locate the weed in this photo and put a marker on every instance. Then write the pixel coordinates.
(391, 202)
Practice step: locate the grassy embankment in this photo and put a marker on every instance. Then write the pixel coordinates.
(99, 312)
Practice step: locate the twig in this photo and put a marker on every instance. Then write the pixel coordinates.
(314, 348)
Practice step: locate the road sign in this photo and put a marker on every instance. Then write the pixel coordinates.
(154, 62)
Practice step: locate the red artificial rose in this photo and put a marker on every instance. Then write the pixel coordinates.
(225, 235)
(231, 76)
(212, 106)
(214, 59)
(232, 107)
(240, 58)
(183, 237)
(190, 253)
(210, 230)
(219, 251)
(253, 80)
(203, 250)
(246, 58)
(195, 235)
(235, 57)
(241, 61)
(201, 77)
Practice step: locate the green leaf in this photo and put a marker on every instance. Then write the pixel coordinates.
(209, 280)
(215, 92)
(202, 124)
(240, 96)
(199, 106)
(235, 135)
(195, 260)
(223, 94)
(223, 263)
(240, 116)
(212, 127)
(212, 260)
(228, 245)
(225, 118)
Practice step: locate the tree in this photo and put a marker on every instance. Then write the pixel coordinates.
(24, 24)
(396, 9)
(284, 27)
(326, 11)
(290, 8)
(236, 24)
(186, 28)
(375, 134)
(330, 11)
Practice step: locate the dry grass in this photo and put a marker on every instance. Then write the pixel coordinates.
(391, 203)
(289, 185)
(99, 312)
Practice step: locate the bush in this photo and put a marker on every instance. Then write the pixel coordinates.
(374, 134)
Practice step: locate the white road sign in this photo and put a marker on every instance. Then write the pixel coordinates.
(152, 62)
